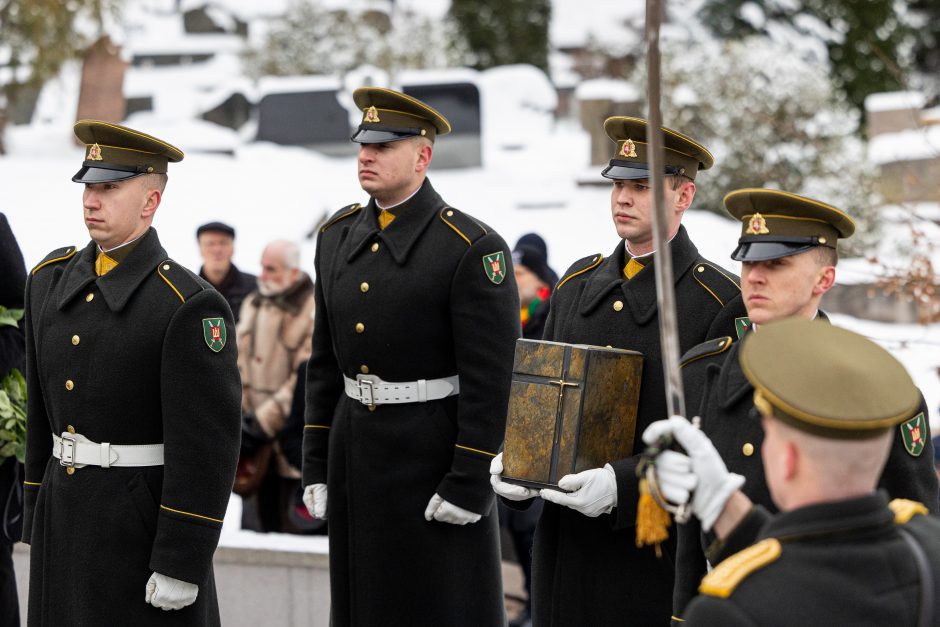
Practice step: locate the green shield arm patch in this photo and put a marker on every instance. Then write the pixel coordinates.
(214, 333)
(494, 264)
(914, 434)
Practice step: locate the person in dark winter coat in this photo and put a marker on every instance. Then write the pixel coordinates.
(838, 553)
(12, 347)
(587, 568)
(408, 386)
(788, 251)
(133, 410)
(216, 246)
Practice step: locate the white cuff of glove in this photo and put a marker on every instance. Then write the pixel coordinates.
(443, 511)
(507, 490)
(592, 492)
(315, 500)
(168, 593)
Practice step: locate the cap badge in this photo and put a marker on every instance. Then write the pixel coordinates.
(372, 115)
(94, 153)
(757, 225)
(628, 149)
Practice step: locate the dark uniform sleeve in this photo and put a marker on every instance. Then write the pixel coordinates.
(323, 388)
(908, 476)
(201, 396)
(38, 430)
(723, 323)
(690, 555)
(486, 324)
(741, 537)
(712, 612)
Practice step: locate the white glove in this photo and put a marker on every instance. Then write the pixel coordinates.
(440, 510)
(315, 500)
(592, 492)
(168, 593)
(713, 485)
(507, 490)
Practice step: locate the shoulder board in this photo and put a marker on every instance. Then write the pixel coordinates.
(463, 225)
(182, 283)
(705, 349)
(345, 212)
(716, 281)
(580, 267)
(905, 509)
(60, 254)
(728, 575)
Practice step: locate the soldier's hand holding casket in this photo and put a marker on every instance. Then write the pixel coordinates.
(702, 473)
(507, 490)
(168, 593)
(591, 492)
(443, 511)
(315, 500)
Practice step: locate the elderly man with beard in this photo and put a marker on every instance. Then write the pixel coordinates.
(274, 334)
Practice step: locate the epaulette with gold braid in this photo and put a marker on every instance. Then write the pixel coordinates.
(705, 349)
(716, 282)
(905, 509)
(178, 278)
(57, 255)
(345, 212)
(580, 267)
(463, 225)
(729, 574)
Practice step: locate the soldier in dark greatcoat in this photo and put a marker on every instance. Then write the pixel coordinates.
(133, 411)
(417, 315)
(838, 553)
(788, 254)
(587, 569)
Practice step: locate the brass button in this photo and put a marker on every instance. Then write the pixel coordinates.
(609, 346)
(364, 287)
(618, 305)
(69, 384)
(375, 247)
(364, 369)
(166, 266)
(76, 340)
(70, 429)
(372, 407)
(747, 449)
(594, 260)
(822, 240)
(701, 268)
(360, 327)
(450, 213)
(89, 298)
(70, 470)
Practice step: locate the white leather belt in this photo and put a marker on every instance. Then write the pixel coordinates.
(370, 390)
(75, 450)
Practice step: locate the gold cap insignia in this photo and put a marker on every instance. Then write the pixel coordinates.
(94, 153)
(757, 225)
(628, 149)
(372, 115)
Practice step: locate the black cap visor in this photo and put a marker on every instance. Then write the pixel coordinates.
(765, 251)
(383, 135)
(620, 170)
(97, 174)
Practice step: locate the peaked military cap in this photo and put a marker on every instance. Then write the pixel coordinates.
(389, 116)
(778, 224)
(682, 155)
(115, 152)
(826, 380)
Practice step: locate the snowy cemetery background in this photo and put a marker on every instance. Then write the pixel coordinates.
(531, 163)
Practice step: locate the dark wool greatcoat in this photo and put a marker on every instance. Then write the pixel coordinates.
(841, 563)
(429, 310)
(717, 391)
(588, 571)
(124, 358)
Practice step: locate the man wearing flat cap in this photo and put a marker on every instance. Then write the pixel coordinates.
(216, 247)
(408, 386)
(587, 568)
(133, 412)
(829, 402)
(788, 251)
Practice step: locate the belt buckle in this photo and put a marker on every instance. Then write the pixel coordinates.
(366, 386)
(67, 453)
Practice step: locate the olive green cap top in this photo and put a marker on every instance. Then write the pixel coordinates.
(826, 380)
(682, 154)
(114, 152)
(778, 224)
(389, 116)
